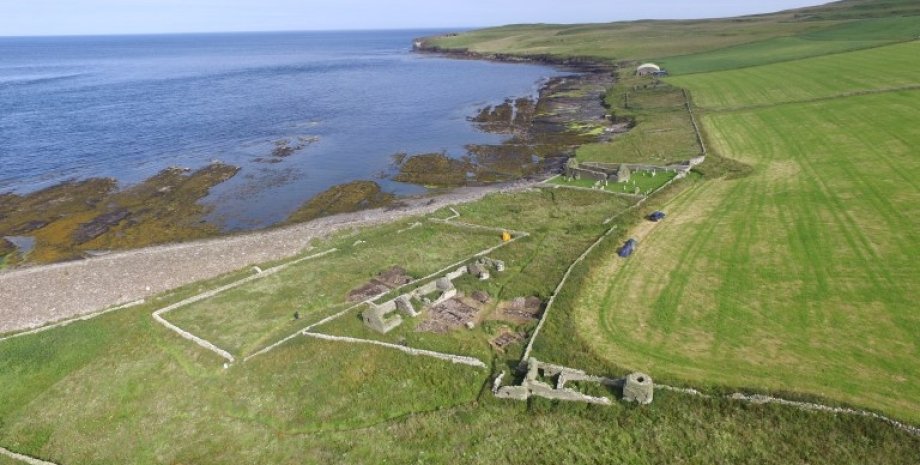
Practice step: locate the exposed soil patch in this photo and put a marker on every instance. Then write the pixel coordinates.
(481, 296)
(383, 282)
(343, 198)
(521, 309)
(395, 277)
(447, 316)
(505, 338)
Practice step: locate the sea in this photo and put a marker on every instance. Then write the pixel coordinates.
(127, 107)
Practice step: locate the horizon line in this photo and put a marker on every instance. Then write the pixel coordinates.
(280, 31)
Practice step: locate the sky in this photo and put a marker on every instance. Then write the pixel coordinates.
(82, 17)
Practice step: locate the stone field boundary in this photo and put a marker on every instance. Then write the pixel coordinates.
(581, 258)
(760, 399)
(756, 399)
(40, 295)
(259, 274)
(72, 320)
(453, 358)
(23, 458)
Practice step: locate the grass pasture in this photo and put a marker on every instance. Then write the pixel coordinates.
(562, 223)
(122, 389)
(625, 41)
(801, 276)
(663, 131)
(845, 37)
(670, 40)
(864, 71)
(248, 318)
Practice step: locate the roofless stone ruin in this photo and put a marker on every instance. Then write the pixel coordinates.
(383, 317)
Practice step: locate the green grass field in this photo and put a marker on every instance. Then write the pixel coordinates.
(619, 41)
(877, 69)
(663, 133)
(248, 318)
(840, 38)
(648, 40)
(122, 389)
(801, 277)
(562, 224)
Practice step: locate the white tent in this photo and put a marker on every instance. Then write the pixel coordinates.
(647, 68)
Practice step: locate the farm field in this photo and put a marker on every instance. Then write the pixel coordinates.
(835, 39)
(801, 277)
(655, 40)
(811, 79)
(616, 41)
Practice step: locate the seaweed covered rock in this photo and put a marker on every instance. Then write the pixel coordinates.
(71, 218)
(343, 198)
(434, 169)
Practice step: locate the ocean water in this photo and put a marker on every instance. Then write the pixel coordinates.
(128, 106)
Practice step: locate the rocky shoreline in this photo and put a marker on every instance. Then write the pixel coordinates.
(35, 296)
(81, 219)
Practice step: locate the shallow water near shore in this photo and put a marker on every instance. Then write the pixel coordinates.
(298, 112)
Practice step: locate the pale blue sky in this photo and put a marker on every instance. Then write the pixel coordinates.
(64, 17)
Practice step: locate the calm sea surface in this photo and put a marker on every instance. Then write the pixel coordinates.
(127, 107)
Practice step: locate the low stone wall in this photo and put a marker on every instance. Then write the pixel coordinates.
(763, 399)
(531, 386)
(582, 173)
(24, 458)
(158, 315)
(459, 359)
(67, 322)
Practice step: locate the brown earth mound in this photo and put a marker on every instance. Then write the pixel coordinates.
(522, 309)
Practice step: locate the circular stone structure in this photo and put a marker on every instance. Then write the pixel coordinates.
(638, 388)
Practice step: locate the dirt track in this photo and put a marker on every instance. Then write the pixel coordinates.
(33, 297)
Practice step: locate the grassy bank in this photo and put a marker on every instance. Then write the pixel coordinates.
(785, 265)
